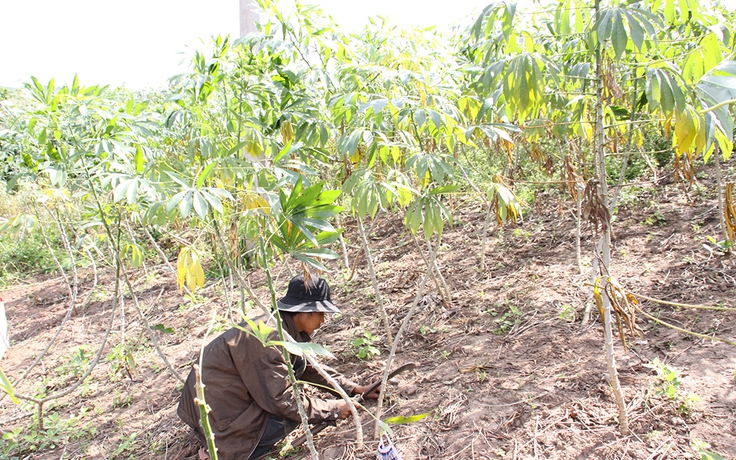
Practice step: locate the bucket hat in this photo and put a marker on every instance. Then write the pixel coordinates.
(303, 297)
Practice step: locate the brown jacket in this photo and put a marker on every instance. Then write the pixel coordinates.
(244, 383)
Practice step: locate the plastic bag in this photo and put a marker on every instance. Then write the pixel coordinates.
(386, 449)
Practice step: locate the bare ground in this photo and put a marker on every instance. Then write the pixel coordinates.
(506, 369)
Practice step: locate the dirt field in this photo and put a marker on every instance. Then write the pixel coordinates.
(506, 368)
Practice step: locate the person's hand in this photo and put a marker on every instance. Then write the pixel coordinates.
(361, 389)
(344, 411)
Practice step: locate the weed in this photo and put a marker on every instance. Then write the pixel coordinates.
(221, 323)
(721, 247)
(507, 320)
(521, 233)
(668, 384)
(363, 346)
(700, 448)
(567, 313)
(126, 446)
(121, 401)
(121, 359)
(667, 380)
(424, 330)
(23, 254)
(72, 366)
(193, 300)
(59, 431)
(657, 219)
(445, 354)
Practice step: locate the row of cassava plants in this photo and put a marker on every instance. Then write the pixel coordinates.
(259, 143)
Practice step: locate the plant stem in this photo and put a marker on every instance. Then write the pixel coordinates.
(204, 411)
(343, 246)
(392, 353)
(374, 280)
(578, 222)
(484, 240)
(606, 240)
(435, 270)
(287, 358)
(40, 402)
(70, 290)
(200, 400)
(719, 186)
(120, 267)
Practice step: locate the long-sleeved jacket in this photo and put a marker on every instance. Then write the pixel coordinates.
(244, 383)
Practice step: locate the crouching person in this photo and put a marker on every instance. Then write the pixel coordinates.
(247, 385)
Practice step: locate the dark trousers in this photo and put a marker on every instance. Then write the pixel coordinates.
(276, 429)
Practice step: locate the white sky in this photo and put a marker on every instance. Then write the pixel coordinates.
(141, 43)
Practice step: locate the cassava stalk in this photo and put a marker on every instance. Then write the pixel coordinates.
(719, 186)
(606, 240)
(204, 410)
(392, 353)
(292, 377)
(484, 239)
(374, 281)
(41, 401)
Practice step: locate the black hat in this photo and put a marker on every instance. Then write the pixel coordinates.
(303, 298)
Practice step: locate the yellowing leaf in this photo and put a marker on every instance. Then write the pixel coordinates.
(252, 201)
(685, 130)
(425, 180)
(355, 157)
(637, 138)
(700, 137)
(402, 420)
(287, 132)
(189, 270)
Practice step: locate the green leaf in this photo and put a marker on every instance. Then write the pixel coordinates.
(206, 174)
(185, 206)
(619, 38)
(444, 189)
(163, 329)
(605, 24)
(314, 263)
(7, 387)
(637, 32)
(323, 253)
(138, 160)
(261, 331)
(132, 192)
(175, 200)
(420, 117)
(283, 152)
(213, 200)
(436, 118)
(200, 204)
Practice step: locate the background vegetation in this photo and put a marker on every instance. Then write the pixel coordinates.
(255, 157)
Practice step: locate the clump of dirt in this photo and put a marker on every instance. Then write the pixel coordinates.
(505, 369)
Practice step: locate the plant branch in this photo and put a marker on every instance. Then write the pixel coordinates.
(392, 353)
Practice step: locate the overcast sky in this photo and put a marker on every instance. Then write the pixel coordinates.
(140, 43)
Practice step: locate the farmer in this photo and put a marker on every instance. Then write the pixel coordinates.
(247, 385)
